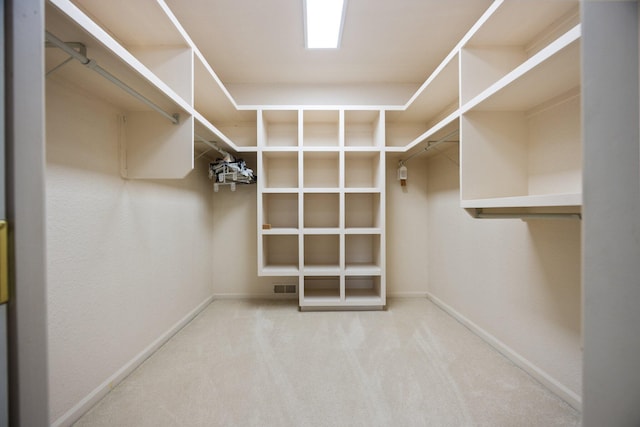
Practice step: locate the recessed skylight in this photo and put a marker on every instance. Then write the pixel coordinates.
(323, 23)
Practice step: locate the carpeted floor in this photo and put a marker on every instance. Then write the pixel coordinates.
(264, 363)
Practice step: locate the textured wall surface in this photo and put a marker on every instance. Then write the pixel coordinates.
(127, 259)
(517, 280)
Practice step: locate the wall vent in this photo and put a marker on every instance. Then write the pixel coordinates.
(284, 289)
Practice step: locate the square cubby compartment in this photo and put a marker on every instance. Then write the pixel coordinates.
(362, 251)
(280, 252)
(280, 210)
(362, 288)
(361, 129)
(321, 170)
(279, 170)
(362, 170)
(321, 210)
(280, 128)
(362, 210)
(321, 128)
(322, 251)
(322, 288)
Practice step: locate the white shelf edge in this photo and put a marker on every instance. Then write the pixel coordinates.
(329, 231)
(549, 51)
(362, 149)
(546, 200)
(362, 190)
(280, 232)
(197, 52)
(455, 51)
(320, 149)
(316, 190)
(363, 270)
(363, 230)
(276, 190)
(279, 271)
(321, 270)
(279, 149)
(211, 128)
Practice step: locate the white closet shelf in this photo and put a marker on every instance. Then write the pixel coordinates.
(321, 270)
(438, 94)
(279, 270)
(146, 48)
(362, 270)
(280, 190)
(363, 230)
(552, 71)
(280, 232)
(316, 231)
(521, 23)
(546, 200)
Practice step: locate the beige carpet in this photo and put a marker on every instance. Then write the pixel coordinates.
(264, 363)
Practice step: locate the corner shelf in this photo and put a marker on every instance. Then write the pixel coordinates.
(522, 136)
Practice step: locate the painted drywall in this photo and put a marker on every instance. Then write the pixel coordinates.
(518, 281)
(407, 231)
(235, 251)
(127, 259)
(611, 212)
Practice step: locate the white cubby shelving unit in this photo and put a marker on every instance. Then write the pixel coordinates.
(321, 193)
(511, 88)
(144, 46)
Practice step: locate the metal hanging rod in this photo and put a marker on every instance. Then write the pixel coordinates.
(431, 145)
(213, 145)
(479, 214)
(93, 65)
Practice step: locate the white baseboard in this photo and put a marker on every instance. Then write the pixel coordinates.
(255, 296)
(407, 295)
(73, 414)
(545, 379)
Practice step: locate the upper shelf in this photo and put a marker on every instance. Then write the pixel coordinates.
(143, 45)
(551, 72)
(71, 25)
(529, 25)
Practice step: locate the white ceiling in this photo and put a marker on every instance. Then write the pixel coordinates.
(385, 44)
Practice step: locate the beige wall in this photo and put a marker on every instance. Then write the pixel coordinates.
(407, 237)
(518, 281)
(127, 260)
(235, 252)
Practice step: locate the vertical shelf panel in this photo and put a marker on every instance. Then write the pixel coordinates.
(321, 128)
(280, 169)
(321, 170)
